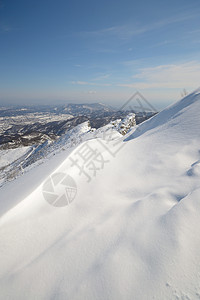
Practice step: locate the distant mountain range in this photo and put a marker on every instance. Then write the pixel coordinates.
(29, 125)
(74, 109)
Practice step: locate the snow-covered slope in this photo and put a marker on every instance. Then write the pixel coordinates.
(132, 230)
(16, 162)
(9, 156)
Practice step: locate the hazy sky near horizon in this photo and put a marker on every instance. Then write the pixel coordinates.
(98, 51)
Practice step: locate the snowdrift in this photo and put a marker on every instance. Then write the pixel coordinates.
(132, 230)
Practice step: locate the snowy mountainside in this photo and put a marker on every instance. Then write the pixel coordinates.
(171, 115)
(9, 156)
(37, 154)
(132, 230)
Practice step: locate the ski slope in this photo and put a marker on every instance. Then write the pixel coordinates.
(132, 230)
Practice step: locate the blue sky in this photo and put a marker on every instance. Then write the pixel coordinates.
(98, 51)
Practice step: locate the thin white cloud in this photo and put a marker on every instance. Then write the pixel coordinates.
(194, 31)
(6, 28)
(134, 62)
(185, 75)
(122, 32)
(92, 92)
(127, 31)
(88, 83)
(102, 77)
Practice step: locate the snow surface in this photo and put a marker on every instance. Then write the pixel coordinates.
(10, 155)
(132, 232)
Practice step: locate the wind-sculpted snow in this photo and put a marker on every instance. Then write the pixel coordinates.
(171, 114)
(131, 232)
